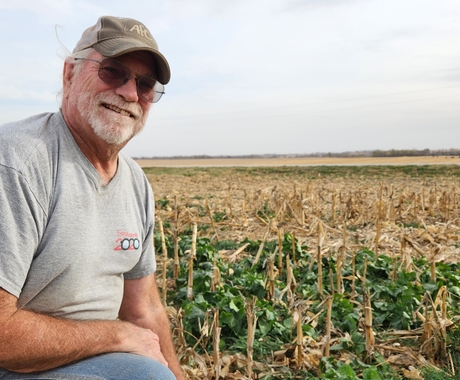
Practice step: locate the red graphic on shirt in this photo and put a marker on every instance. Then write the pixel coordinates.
(127, 241)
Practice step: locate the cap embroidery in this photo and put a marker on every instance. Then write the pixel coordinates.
(142, 31)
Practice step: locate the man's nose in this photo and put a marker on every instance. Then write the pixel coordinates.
(129, 90)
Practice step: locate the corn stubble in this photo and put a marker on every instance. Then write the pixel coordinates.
(399, 217)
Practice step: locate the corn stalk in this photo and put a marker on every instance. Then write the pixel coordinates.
(261, 247)
(252, 322)
(215, 345)
(213, 224)
(165, 263)
(297, 318)
(190, 265)
(319, 258)
(327, 335)
(368, 332)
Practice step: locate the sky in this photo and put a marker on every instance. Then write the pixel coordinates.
(261, 76)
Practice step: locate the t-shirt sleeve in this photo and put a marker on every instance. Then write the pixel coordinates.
(21, 224)
(147, 263)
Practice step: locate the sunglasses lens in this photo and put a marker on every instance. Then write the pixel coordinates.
(125, 243)
(146, 88)
(116, 74)
(113, 72)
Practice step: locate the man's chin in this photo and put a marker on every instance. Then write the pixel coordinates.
(113, 137)
(116, 140)
(117, 137)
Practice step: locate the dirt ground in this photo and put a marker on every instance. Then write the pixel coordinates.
(304, 161)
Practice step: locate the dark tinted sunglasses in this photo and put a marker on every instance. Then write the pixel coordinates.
(116, 74)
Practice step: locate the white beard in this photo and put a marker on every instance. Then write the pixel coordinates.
(110, 126)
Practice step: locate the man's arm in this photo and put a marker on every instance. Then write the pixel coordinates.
(35, 342)
(142, 306)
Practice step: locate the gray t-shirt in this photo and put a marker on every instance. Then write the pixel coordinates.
(66, 242)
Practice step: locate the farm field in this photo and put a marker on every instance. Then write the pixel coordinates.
(300, 161)
(307, 272)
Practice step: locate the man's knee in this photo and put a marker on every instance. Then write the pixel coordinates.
(114, 366)
(136, 366)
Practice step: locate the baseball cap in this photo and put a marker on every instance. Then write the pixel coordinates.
(114, 36)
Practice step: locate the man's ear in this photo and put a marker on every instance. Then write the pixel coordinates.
(67, 76)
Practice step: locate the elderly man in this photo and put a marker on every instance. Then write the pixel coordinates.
(78, 296)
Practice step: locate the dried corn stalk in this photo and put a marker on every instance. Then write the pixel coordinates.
(165, 263)
(327, 334)
(297, 318)
(379, 217)
(293, 248)
(319, 257)
(216, 280)
(280, 249)
(176, 239)
(213, 224)
(435, 323)
(261, 247)
(215, 345)
(176, 253)
(271, 276)
(334, 200)
(190, 265)
(368, 332)
(252, 322)
(290, 282)
(339, 272)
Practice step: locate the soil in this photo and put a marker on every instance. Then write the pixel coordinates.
(301, 161)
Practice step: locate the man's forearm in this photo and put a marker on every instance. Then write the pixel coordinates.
(35, 342)
(32, 342)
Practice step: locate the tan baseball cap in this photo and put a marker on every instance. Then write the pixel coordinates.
(114, 36)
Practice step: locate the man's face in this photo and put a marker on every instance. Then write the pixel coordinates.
(114, 114)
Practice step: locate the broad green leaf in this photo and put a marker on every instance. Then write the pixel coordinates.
(371, 374)
(233, 306)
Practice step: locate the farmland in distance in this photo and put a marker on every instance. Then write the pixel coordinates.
(299, 161)
(287, 271)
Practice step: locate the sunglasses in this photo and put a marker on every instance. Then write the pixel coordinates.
(116, 74)
(126, 244)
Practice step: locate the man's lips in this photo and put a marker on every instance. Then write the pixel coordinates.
(119, 110)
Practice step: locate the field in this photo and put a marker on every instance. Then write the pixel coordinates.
(346, 271)
(304, 161)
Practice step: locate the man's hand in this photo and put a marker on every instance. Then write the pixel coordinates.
(142, 342)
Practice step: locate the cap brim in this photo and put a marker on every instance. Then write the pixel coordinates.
(118, 46)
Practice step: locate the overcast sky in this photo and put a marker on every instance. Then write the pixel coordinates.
(261, 76)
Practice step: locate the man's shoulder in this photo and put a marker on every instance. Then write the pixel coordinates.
(29, 133)
(29, 125)
(26, 143)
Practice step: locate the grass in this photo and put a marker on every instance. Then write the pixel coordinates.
(313, 172)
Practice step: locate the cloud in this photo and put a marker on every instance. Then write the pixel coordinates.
(296, 5)
(258, 76)
(46, 9)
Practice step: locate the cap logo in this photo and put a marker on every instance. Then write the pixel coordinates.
(142, 31)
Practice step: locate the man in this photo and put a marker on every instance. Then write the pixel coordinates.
(78, 296)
